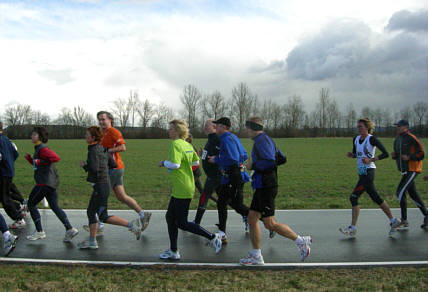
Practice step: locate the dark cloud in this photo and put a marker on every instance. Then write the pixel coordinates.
(409, 21)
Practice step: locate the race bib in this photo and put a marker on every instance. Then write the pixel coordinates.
(362, 170)
(204, 154)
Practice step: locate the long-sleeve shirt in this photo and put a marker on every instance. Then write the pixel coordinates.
(263, 157)
(98, 164)
(9, 155)
(231, 154)
(408, 144)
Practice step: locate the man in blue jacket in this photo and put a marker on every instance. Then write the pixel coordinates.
(265, 185)
(230, 159)
(8, 155)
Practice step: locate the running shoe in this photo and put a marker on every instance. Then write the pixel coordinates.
(86, 244)
(100, 230)
(252, 260)
(404, 225)
(9, 244)
(37, 235)
(145, 220)
(223, 239)
(216, 242)
(394, 225)
(24, 206)
(246, 225)
(170, 255)
(272, 234)
(349, 231)
(425, 223)
(70, 234)
(305, 247)
(136, 228)
(18, 224)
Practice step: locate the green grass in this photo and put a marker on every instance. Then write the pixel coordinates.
(81, 278)
(317, 174)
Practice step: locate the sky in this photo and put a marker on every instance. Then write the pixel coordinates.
(56, 54)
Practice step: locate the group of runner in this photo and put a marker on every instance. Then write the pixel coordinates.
(225, 163)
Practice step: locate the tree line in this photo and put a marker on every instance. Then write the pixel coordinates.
(145, 119)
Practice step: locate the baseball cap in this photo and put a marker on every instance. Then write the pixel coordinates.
(223, 121)
(402, 123)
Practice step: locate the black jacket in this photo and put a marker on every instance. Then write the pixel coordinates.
(212, 148)
(98, 164)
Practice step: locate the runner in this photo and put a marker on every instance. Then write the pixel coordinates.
(181, 159)
(8, 154)
(212, 171)
(364, 148)
(408, 154)
(114, 143)
(47, 181)
(9, 240)
(97, 166)
(196, 169)
(230, 159)
(265, 183)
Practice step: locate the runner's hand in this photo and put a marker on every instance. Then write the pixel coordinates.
(405, 157)
(426, 177)
(393, 155)
(350, 155)
(211, 159)
(81, 163)
(160, 164)
(366, 160)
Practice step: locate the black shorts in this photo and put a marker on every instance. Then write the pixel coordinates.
(264, 201)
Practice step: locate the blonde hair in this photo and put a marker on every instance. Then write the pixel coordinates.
(180, 126)
(368, 123)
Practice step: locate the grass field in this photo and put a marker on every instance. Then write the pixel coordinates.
(58, 278)
(317, 175)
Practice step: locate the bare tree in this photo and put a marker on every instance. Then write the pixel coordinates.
(295, 111)
(133, 106)
(121, 111)
(324, 100)
(191, 99)
(40, 118)
(333, 116)
(420, 109)
(163, 114)
(266, 113)
(18, 114)
(145, 111)
(65, 117)
(350, 117)
(367, 112)
(406, 113)
(242, 101)
(81, 117)
(214, 105)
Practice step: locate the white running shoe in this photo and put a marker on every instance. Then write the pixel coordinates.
(87, 245)
(145, 220)
(70, 234)
(37, 235)
(216, 242)
(136, 228)
(45, 203)
(9, 244)
(100, 229)
(305, 247)
(252, 260)
(393, 226)
(349, 231)
(170, 255)
(18, 224)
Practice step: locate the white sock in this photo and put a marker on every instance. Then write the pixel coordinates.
(392, 220)
(221, 233)
(299, 240)
(6, 235)
(257, 252)
(352, 227)
(141, 214)
(100, 225)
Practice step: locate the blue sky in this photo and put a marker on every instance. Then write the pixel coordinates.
(69, 53)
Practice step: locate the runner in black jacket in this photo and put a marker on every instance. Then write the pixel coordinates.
(97, 166)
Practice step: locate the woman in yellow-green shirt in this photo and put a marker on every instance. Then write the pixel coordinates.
(179, 164)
